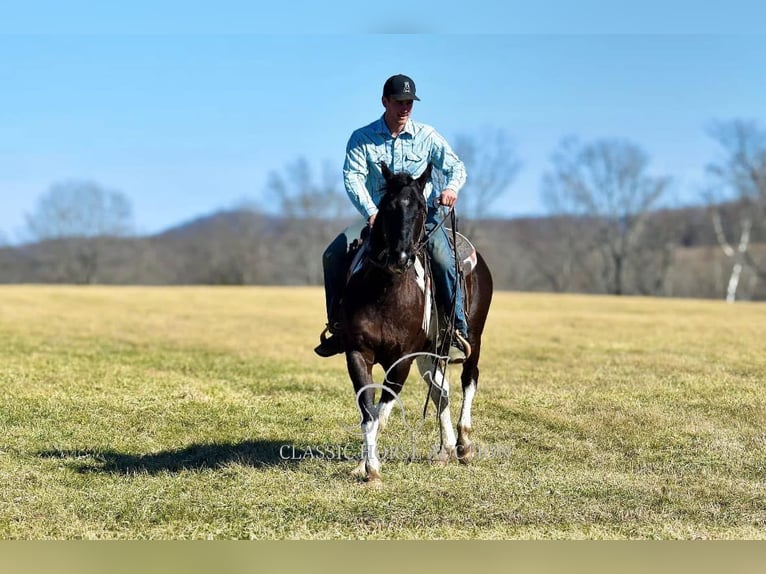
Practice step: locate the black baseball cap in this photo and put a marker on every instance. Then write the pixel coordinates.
(400, 87)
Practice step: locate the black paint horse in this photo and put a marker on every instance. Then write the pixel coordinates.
(385, 315)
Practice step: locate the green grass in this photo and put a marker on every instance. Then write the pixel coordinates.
(163, 413)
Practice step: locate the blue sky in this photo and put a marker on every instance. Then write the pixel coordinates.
(187, 111)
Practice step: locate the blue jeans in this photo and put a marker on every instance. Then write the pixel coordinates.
(442, 264)
(444, 271)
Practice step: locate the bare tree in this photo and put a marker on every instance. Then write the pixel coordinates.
(79, 216)
(80, 209)
(738, 177)
(605, 183)
(313, 212)
(492, 165)
(654, 260)
(558, 249)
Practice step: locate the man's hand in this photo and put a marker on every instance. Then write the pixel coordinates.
(448, 198)
(371, 220)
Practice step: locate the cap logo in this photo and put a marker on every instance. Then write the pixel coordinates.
(406, 88)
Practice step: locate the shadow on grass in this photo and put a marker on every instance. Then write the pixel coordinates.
(258, 454)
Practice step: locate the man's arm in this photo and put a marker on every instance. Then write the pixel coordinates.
(451, 166)
(355, 173)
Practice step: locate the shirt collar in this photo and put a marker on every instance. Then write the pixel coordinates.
(383, 127)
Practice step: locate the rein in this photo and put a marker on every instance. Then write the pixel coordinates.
(420, 245)
(449, 331)
(427, 236)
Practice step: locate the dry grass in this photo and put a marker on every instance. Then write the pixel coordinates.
(167, 413)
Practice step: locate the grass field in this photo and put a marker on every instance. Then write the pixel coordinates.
(187, 413)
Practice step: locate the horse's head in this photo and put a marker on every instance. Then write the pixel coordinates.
(400, 223)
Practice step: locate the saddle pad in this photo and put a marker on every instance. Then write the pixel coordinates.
(466, 252)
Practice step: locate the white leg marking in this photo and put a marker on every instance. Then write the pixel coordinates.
(445, 418)
(439, 392)
(384, 412)
(370, 432)
(465, 410)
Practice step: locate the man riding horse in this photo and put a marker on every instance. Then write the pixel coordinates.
(403, 145)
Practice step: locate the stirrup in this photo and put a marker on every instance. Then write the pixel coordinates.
(329, 346)
(334, 328)
(455, 355)
(465, 344)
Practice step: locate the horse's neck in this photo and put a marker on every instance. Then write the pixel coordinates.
(380, 283)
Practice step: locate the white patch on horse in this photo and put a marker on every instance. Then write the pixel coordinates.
(424, 282)
(384, 412)
(420, 274)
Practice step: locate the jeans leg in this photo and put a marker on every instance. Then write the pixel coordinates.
(445, 274)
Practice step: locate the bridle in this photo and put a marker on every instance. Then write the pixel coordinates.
(419, 245)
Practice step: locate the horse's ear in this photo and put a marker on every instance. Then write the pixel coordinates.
(386, 172)
(425, 176)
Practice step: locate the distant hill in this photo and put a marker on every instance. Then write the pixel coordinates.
(679, 254)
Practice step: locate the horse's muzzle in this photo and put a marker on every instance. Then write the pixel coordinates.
(401, 263)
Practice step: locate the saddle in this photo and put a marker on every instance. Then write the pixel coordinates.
(466, 252)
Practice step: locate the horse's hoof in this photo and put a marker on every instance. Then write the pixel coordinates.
(373, 480)
(466, 453)
(374, 483)
(359, 470)
(440, 459)
(443, 457)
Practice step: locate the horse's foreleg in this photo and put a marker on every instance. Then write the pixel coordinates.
(360, 370)
(385, 406)
(396, 374)
(469, 379)
(436, 377)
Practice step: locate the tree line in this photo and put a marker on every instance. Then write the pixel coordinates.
(608, 228)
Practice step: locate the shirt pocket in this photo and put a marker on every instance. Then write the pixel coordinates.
(414, 163)
(375, 157)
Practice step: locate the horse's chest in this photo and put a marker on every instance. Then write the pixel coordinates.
(392, 320)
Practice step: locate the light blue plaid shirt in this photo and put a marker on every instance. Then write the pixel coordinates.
(411, 151)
